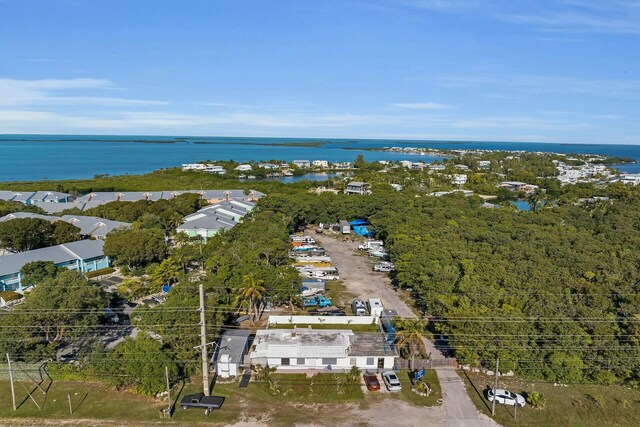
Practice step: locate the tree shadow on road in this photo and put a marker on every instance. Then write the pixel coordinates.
(478, 392)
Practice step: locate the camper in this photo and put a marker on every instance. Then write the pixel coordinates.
(359, 308)
(371, 244)
(375, 307)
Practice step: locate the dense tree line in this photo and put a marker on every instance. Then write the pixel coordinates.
(25, 234)
(554, 294)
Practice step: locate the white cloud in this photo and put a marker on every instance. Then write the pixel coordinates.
(14, 92)
(421, 106)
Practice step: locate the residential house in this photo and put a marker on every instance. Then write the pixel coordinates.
(83, 255)
(459, 179)
(484, 164)
(206, 226)
(49, 197)
(268, 166)
(309, 349)
(244, 167)
(216, 169)
(230, 351)
(93, 226)
(437, 168)
(343, 165)
(208, 221)
(320, 164)
(516, 186)
(356, 187)
(302, 163)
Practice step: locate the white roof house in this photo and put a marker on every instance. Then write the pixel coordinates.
(244, 167)
(290, 349)
(459, 179)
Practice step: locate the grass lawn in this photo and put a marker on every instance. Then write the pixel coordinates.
(340, 297)
(574, 405)
(407, 395)
(294, 403)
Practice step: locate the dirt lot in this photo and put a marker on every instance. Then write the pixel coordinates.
(357, 275)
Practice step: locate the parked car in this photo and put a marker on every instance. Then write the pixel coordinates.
(391, 381)
(199, 400)
(384, 267)
(506, 397)
(371, 381)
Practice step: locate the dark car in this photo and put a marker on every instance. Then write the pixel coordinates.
(371, 381)
(199, 400)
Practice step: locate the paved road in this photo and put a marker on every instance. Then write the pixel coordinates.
(358, 277)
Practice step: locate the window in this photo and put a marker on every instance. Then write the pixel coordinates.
(370, 361)
(329, 361)
(285, 361)
(301, 361)
(354, 362)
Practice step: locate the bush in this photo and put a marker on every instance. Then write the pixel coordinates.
(536, 400)
(10, 296)
(100, 272)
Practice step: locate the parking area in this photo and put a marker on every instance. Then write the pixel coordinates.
(358, 277)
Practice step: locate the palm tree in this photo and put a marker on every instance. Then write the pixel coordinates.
(536, 200)
(251, 294)
(410, 335)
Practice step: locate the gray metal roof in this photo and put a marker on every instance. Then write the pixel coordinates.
(23, 197)
(83, 249)
(17, 215)
(49, 196)
(233, 342)
(57, 207)
(102, 196)
(7, 195)
(369, 344)
(94, 226)
(208, 223)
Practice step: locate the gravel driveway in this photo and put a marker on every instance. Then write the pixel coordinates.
(359, 278)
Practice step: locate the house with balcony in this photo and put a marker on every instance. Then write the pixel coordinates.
(356, 187)
(83, 256)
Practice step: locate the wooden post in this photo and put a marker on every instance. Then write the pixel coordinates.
(70, 407)
(495, 387)
(13, 391)
(203, 343)
(166, 374)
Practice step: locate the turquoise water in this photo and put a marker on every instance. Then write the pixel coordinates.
(27, 157)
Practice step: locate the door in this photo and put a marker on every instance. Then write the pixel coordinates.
(380, 362)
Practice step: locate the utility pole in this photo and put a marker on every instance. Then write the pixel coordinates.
(166, 374)
(203, 344)
(13, 391)
(495, 387)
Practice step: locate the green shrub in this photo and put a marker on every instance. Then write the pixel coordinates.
(10, 296)
(101, 272)
(536, 400)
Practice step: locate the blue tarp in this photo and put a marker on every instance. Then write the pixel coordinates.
(361, 228)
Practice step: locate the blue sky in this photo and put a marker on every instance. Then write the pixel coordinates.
(513, 70)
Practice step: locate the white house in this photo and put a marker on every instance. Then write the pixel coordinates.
(295, 349)
(302, 163)
(356, 187)
(459, 179)
(320, 164)
(230, 351)
(484, 164)
(244, 167)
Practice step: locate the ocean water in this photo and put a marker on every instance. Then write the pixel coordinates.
(31, 157)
